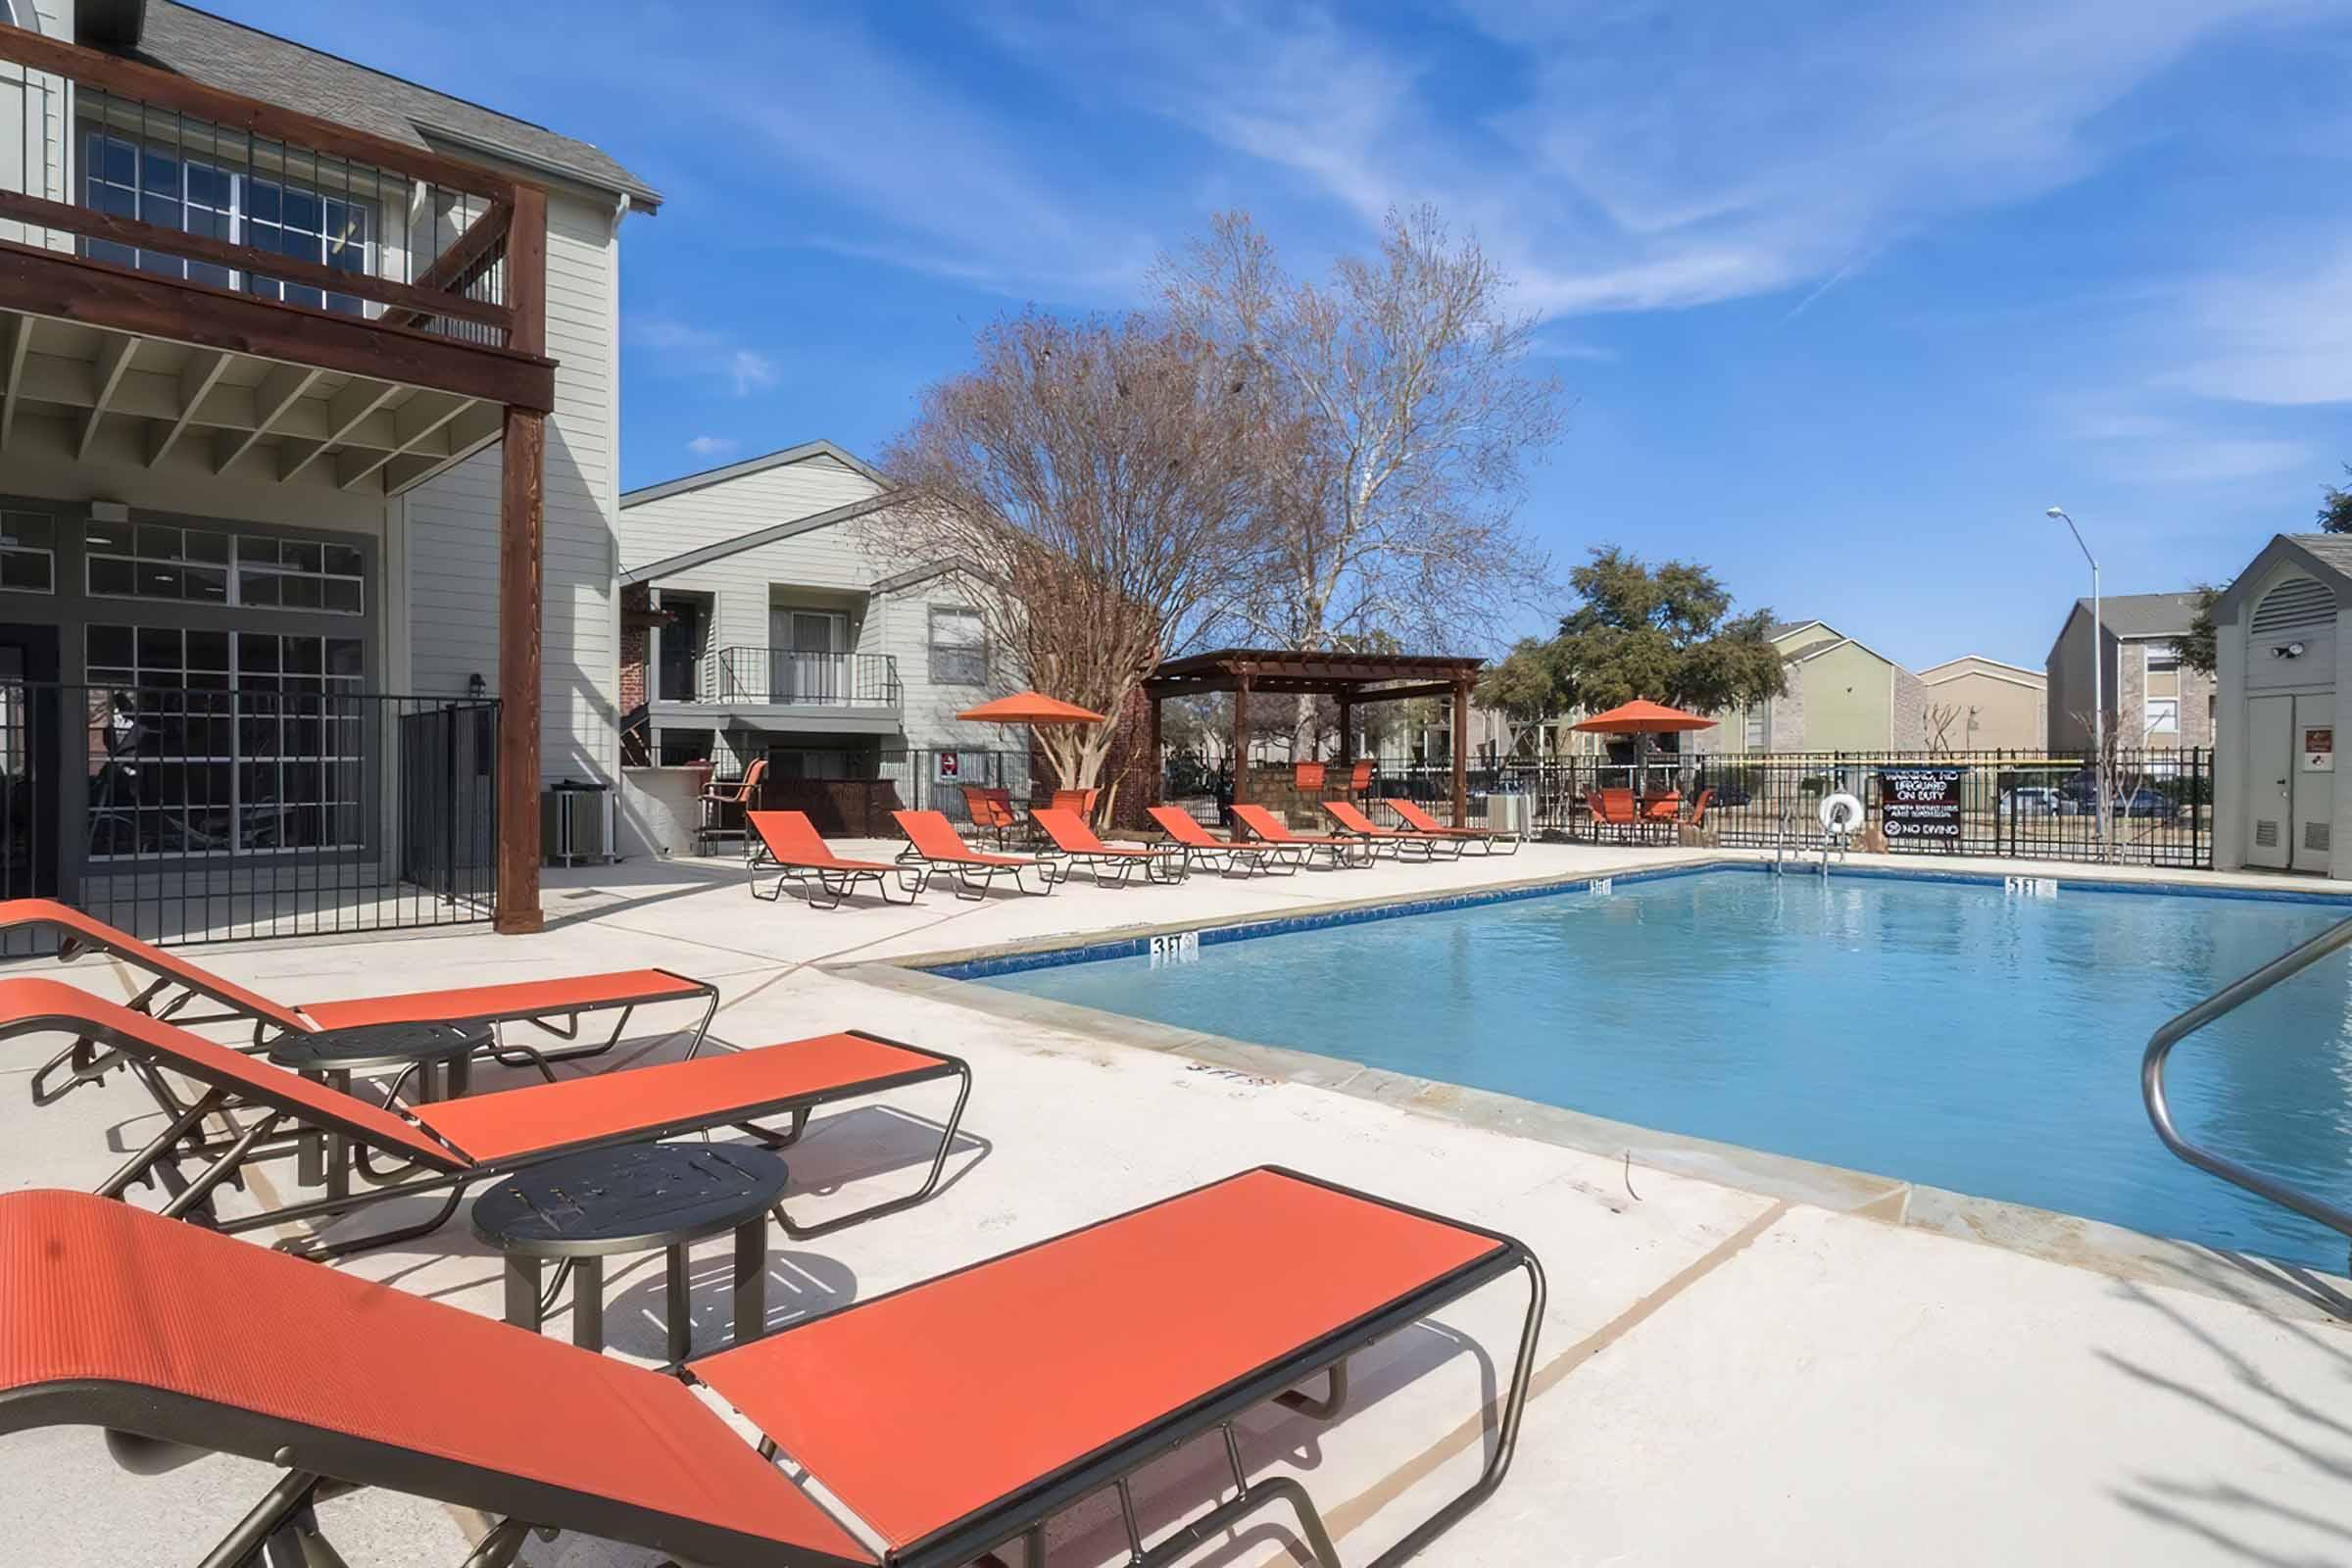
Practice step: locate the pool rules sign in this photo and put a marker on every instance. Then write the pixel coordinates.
(1920, 803)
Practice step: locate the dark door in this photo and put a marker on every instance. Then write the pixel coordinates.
(28, 761)
(681, 646)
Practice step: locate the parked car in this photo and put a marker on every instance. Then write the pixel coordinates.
(2145, 802)
(2034, 799)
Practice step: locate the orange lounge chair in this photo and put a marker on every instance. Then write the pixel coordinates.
(801, 854)
(1223, 855)
(1337, 852)
(933, 843)
(1070, 844)
(553, 1005)
(1352, 819)
(1079, 803)
(1419, 821)
(916, 1412)
(447, 1146)
(1359, 777)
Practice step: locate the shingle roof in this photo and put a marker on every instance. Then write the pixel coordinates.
(2144, 615)
(235, 57)
(2333, 549)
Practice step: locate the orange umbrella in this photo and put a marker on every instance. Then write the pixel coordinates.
(1030, 708)
(1642, 719)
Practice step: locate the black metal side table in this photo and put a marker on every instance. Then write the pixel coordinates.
(439, 1055)
(582, 1209)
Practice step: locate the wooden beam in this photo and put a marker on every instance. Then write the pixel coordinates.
(13, 353)
(99, 294)
(412, 424)
(272, 398)
(1155, 771)
(423, 301)
(455, 266)
(162, 89)
(114, 358)
(521, 541)
(196, 383)
(527, 271)
(1241, 737)
(357, 400)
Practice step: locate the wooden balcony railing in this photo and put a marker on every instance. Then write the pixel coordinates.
(139, 173)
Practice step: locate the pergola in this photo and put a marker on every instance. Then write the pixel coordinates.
(1352, 680)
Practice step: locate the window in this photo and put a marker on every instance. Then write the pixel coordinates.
(2163, 715)
(2163, 658)
(178, 190)
(959, 646)
(210, 742)
(1758, 726)
(211, 566)
(28, 553)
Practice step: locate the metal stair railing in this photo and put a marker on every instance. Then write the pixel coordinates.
(2228, 1000)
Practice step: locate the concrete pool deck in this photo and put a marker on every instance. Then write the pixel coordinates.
(1727, 1368)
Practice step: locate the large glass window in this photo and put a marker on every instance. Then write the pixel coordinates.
(959, 646)
(211, 742)
(28, 552)
(175, 190)
(210, 565)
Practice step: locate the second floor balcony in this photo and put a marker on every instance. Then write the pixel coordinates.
(781, 678)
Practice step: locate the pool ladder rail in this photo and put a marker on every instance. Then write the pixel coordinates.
(2228, 1000)
(1780, 851)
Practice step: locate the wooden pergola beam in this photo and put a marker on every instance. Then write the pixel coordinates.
(521, 568)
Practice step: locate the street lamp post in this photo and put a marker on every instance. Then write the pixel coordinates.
(2098, 679)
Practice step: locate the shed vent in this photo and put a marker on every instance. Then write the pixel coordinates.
(2266, 835)
(2315, 837)
(2294, 606)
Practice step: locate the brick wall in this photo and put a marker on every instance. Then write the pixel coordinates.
(635, 646)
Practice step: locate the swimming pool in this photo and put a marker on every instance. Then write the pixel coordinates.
(1951, 1033)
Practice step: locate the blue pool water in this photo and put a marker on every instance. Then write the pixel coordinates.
(1947, 1032)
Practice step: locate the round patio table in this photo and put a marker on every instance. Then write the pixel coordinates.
(579, 1211)
(440, 1055)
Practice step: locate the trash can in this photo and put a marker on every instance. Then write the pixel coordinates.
(573, 820)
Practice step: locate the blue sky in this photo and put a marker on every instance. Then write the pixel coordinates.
(1844, 294)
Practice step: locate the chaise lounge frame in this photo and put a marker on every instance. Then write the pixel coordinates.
(972, 872)
(832, 878)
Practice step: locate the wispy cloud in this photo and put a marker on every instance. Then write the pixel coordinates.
(712, 446)
(2281, 338)
(686, 350)
(2140, 446)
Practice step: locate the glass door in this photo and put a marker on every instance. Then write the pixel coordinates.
(808, 662)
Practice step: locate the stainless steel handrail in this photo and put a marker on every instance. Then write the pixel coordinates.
(2228, 999)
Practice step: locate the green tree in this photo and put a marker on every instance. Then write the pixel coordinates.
(2198, 650)
(1665, 633)
(1523, 684)
(2336, 508)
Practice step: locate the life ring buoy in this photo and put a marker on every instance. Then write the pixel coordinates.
(1842, 813)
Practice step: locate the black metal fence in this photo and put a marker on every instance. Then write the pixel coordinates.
(2025, 805)
(277, 806)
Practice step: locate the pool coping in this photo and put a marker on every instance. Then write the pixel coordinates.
(2284, 1289)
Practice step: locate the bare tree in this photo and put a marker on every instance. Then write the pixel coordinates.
(1937, 720)
(1095, 481)
(1398, 405)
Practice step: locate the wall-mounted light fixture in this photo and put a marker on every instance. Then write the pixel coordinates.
(476, 687)
(2286, 649)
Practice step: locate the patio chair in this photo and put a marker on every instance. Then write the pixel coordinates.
(799, 853)
(1613, 809)
(718, 798)
(1359, 779)
(991, 811)
(1078, 803)
(916, 1412)
(933, 844)
(448, 1145)
(1224, 855)
(1488, 840)
(1339, 853)
(1306, 778)
(555, 1006)
(1429, 846)
(1698, 807)
(1070, 844)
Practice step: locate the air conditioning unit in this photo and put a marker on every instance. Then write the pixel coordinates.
(1511, 813)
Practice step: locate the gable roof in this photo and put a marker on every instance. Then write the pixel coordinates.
(2326, 556)
(235, 57)
(704, 555)
(735, 470)
(1998, 669)
(1779, 629)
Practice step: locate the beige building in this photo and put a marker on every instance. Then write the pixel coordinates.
(1989, 706)
(1842, 696)
(2151, 700)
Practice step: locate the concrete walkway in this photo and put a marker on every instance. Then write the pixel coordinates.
(1725, 1373)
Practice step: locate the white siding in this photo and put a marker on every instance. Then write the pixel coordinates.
(930, 710)
(451, 544)
(33, 111)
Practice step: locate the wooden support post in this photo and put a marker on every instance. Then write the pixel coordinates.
(522, 551)
(1461, 753)
(1241, 735)
(1155, 769)
(1347, 731)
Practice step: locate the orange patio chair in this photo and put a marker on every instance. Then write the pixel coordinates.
(335, 1384)
(991, 811)
(1224, 855)
(801, 854)
(1417, 817)
(1359, 777)
(933, 844)
(1070, 844)
(1351, 820)
(719, 799)
(1078, 803)
(1307, 776)
(1337, 852)
(1613, 809)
